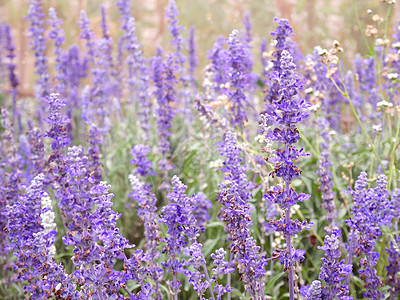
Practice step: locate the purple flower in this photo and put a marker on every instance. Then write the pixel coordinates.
(239, 78)
(393, 268)
(178, 60)
(279, 122)
(175, 29)
(75, 71)
(370, 211)
(201, 208)
(219, 67)
(57, 131)
(38, 45)
(313, 292)
(199, 281)
(138, 77)
(193, 59)
(366, 75)
(57, 34)
(147, 212)
(182, 229)
(88, 35)
(325, 181)
(31, 238)
(281, 35)
(333, 270)
(87, 210)
(235, 197)
(222, 268)
(10, 54)
(143, 166)
(164, 80)
(247, 25)
(36, 153)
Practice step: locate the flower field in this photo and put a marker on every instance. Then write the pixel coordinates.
(266, 172)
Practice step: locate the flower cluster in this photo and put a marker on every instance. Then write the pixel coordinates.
(370, 211)
(38, 44)
(235, 212)
(333, 272)
(281, 35)
(286, 109)
(326, 181)
(30, 230)
(182, 234)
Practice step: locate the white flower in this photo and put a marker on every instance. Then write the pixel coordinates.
(377, 127)
(309, 90)
(384, 104)
(47, 219)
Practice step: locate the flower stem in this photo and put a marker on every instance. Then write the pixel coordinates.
(209, 281)
(229, 275)
(289, 248)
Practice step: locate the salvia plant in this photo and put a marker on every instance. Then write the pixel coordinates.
(249, 171)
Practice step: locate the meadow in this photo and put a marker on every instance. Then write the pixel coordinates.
(257, 168)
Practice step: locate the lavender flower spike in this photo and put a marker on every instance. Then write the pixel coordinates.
(58, 35)
(182, 232)
(31, 233)
(193, 59)
(239, 77)
(333, 272)
(10, 53)
(325, 181)
(235, 212)
(38, 45)
(284, 112)
(370, 211)
(281, 35)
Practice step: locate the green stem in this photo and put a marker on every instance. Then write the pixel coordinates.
(392, 154)
(346, 95)
(300, 214)
(360, 28)
(312, 149)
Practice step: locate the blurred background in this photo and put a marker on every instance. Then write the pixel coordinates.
(316, 22)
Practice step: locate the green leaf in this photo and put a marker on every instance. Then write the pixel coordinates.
(273, 281)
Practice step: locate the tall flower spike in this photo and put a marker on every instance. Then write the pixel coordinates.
(92, 231)
(30, 231)
(12, 76)
(125, 10)
(57, 131)
(182, 230)
(164, 79)
(239, 77)
(77, 70)
(222, 268)
(247, 26)
(57, 34)
(333, 272)
(370, 211)
(193, 59)
(281, 35)
(325, 181)
(88, 35)
(235, 196)
(147, 212)
(138, 78)
(285, 111)
(179, 60)
(175, 29)
(38, 45)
